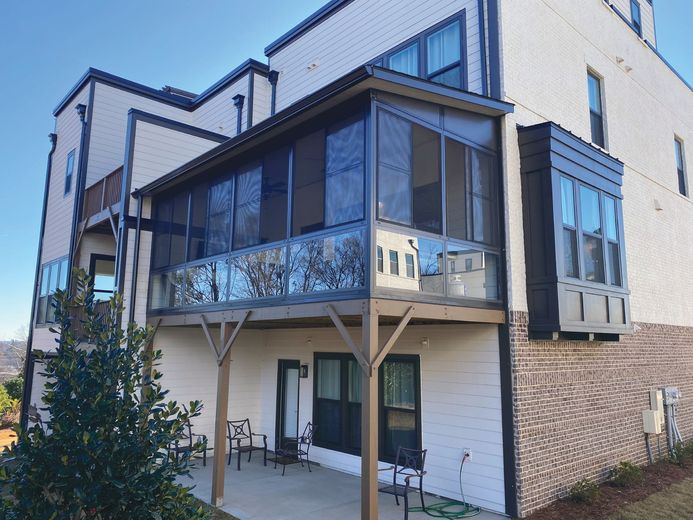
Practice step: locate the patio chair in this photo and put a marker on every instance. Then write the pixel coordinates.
(296, 449)
(239, 432)
(184, 443)
(409, 464)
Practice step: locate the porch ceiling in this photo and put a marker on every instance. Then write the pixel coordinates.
(315, 314)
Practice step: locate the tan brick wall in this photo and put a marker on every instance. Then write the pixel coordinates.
(577, 404)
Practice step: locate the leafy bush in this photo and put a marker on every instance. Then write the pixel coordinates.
(681, 453)
(584, 491)
(625, 474)
(14, 387)
(6, 401)
(105, 456)
(10, 417)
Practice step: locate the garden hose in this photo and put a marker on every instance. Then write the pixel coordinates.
(450, 509)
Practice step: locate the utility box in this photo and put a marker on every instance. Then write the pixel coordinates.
(657, 405)
(651, 422)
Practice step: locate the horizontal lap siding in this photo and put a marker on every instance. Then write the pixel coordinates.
(219, 114)
(381, 26)
(95, 243)
(646, 16)
(109, 126)
(262, 98)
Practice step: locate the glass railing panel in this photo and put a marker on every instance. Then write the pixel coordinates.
(257, 275)
(328, 263)
(207, 283)
(166, 289)
(471, 273)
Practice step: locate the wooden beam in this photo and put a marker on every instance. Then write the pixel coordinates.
(210, 341)
(234, 335)
(365, 364)
(222, 411)
(393, 338)
(369, 421)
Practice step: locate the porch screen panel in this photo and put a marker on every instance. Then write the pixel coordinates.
(329, 425)
(344, 167)
(482, 194)
(219, 218)
(309, 184)
(455, 182)
(394, 168)
(273, 206)
(247, 214)
(198, 221)
(179, 228)
(162, 234)
(426, 186)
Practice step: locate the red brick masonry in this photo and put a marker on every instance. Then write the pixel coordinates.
(578, 404)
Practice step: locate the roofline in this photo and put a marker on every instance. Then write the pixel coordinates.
(182, 102)
(314, 19)
(378, 77)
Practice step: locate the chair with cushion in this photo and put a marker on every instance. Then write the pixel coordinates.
(296, 449)
(241, 439)
(409, 464)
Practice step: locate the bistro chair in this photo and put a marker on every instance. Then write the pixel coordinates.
(409, 464)
(184, 444)
(296, 449)
(241, 440)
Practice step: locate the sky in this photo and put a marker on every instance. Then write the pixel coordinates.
(46, 46)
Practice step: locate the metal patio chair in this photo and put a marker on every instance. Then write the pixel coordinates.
(240, 434)
(409, 464)
(184, 443)
(296, 449)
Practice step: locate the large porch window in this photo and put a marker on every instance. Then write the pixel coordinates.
(337, 403)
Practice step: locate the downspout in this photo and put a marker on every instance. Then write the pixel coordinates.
(238, 100)
(28, 377)
(79, 192)
(273, 78)
(136, 259)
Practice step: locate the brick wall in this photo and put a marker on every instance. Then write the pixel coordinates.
(578, 404)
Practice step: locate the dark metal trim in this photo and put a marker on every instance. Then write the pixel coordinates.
(251, 87)
(494, 48)
(482, 47)
(309, 23)
(28, 374)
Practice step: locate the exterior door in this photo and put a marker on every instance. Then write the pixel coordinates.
(287, 400)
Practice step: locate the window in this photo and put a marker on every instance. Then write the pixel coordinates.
(380, 259)
(409, 184)
(635, 16)
(467, 265)
(337, 406)
(593, 254)
(570, 255)
(444, 51)
(596, 112)
(53, 277)
(612, 244)
(218, 228)
(436, 54)
(69, 168)
(680, 168)
(394, 262)
(328, 177)
(409, 261)
(170, 230)
(102, 271)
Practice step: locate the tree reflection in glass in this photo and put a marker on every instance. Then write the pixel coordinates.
(336, 262)
(257, 275)
(206, 283)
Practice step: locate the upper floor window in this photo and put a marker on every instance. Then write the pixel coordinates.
(102, 272)
(409, 260)
(69, 168)
(680, 167)
(380, 259)
(594, 86)
(394, 262)
(635, 16)
(436, 54)
(53, 277)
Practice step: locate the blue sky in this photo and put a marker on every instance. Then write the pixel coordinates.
(46, 46)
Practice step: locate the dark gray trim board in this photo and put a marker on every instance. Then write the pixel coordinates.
(358, 81)
(37, 272)
(251, 87)
(494, 48)
(482, 47)
(312, 21)
(162, 96)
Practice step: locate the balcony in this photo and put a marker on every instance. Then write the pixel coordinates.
(102, 201)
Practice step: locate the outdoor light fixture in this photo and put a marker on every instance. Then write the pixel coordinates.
(424, 342)
(304, 372)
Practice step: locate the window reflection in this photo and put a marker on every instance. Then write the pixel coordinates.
(423, 263)
(257, 275)
(206, 283)
(167, 289)
(472, 274)
(336, 262)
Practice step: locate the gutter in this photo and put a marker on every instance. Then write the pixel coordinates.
(136, 258)
(28, 377)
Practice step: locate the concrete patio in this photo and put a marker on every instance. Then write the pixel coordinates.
(261, 493)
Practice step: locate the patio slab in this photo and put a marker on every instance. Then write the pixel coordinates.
(261, 493)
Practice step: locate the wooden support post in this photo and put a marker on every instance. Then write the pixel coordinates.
(369, 420)
(223, 377)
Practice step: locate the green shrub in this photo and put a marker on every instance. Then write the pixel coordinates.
(677, 455)
(105, 456)
(14, 387)
(625, 474)
(6, 401)
(584, 491)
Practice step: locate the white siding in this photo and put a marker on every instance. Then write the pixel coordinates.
(460, 401)
(262, 98)
(381, 26)
(95, 243)
(109, 126)
(218, 114)
(646, 15)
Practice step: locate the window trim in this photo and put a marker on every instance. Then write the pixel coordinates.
(380, 259)
(344, 358)
(395, 261)
(681, 174)
(69, 172)
(56, 263)
(591, 73)
(635, 7)
(93, 258)
(421, 39)
(407, 257)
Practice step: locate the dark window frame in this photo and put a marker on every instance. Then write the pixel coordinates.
(598, 133)
(69, 170)
(636, 16)
(344, 359)
(422, 40)
(46, 270)
(680, 160)
(93, 258)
